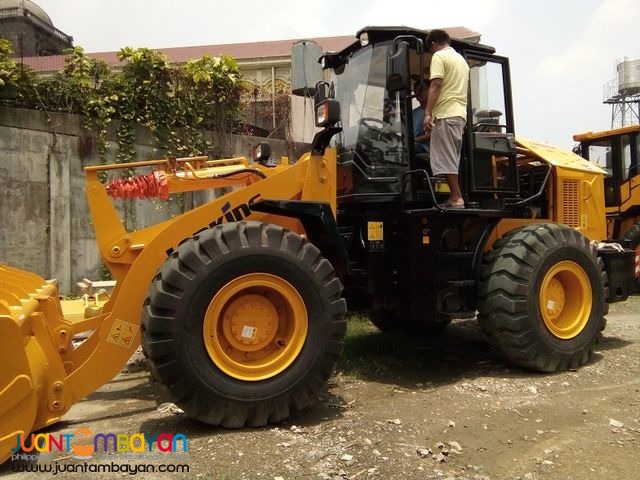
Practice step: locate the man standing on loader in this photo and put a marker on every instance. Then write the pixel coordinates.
(446, 112)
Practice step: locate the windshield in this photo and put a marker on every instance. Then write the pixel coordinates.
(372, 122)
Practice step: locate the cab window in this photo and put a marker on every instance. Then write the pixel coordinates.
(600, 154)
(625, 144)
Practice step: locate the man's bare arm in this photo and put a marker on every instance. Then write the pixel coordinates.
(434, 94)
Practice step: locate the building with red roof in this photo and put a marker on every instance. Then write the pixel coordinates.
(266, 65)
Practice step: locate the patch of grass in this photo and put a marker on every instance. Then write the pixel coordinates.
(368, 351)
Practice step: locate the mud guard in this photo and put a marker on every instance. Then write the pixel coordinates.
(319, 224)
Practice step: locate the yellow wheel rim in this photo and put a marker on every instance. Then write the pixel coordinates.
(566, 300)
(255, 326)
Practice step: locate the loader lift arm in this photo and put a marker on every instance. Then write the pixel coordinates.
(44, 373)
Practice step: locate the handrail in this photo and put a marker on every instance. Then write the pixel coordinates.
(629, 181)
(520, 203)
(171, 162)
(404, 183)
(535, 196)
(364, 174)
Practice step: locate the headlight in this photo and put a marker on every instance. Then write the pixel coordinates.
(322, 114)
(261, 153)
(327, 112)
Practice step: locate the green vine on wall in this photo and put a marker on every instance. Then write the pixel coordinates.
(16, 80)
(176, 103)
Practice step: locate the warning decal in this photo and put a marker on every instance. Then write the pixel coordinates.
(375, 231)
(122, 333)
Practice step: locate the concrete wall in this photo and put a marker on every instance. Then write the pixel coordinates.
(45, 226)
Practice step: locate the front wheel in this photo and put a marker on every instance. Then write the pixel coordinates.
(542, 297)
(244, 324)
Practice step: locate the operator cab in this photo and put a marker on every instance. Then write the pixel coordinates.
(377, 159)
(618, 153)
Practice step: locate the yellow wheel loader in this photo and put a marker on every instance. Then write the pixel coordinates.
(239, 303)
(238, 310)
(618, 152)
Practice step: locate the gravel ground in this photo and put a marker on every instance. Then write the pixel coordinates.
(450, 409)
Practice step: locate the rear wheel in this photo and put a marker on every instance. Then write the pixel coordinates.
(244, 324)
(633, 237)
(542, 297)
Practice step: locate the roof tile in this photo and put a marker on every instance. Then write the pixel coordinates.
(240, 51)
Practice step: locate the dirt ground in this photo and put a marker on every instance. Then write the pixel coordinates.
(448, 408)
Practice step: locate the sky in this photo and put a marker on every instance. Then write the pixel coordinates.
(562, 52)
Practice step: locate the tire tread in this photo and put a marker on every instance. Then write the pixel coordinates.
(160, 329)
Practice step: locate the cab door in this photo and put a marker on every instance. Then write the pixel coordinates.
(491, 150)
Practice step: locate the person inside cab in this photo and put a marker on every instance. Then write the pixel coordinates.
(420, 137)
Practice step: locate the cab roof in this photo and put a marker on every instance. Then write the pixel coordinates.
(381, 34)
(378, 34)
(581, 137)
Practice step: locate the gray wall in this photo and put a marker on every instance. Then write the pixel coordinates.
(45, 226)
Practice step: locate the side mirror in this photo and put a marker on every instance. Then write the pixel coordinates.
(306, 71)
(398, 64)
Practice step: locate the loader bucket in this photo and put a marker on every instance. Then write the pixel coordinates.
(28, 399)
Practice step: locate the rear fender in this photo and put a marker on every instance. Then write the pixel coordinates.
(319, 225)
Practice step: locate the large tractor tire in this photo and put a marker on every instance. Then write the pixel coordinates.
(633, 237)
(244, 324)
(542, 297)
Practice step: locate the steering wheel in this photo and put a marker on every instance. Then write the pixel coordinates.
(378, 130)
(374, 124)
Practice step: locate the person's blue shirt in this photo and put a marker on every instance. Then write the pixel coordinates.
(418, 118)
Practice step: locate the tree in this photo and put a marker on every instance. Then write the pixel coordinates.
(16, 80)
